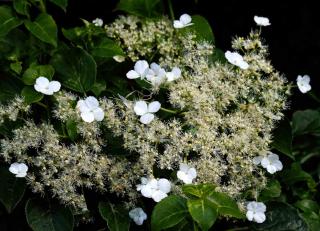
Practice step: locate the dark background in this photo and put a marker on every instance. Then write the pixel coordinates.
(293, 36)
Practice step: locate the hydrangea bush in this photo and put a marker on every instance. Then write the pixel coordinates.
(143, 120)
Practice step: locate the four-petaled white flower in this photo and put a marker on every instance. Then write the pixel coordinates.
(144, 110)
(19, 169)
(44, 86)
(155, 189)
(141, 69)
(156, 75)
(98, 22)
(303, 83)
(174, 74)
(261, 21)
(255, 211)
(186, 173)
(236, 59)
(185, 20)
(90, 110)
(138, 215)
(270, 162)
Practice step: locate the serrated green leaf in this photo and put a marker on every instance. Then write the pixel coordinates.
(282, 138)
(142, 8)
(12, 189)
(225, 204)
(272, 190)
(281, 216)
(31, 95)
(169, 212)
(304, 122)
(198, 191)
(117, 217)
(34, 71)
(61, 3)
(203, 213)
(43, 215)
(44, 28)
(202, 29)
(77, 69)
(21, 7)
(7, 20)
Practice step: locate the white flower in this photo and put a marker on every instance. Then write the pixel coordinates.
(90, 110)
(138, 215)
(155, 189)
(19, 169)
(156, 75)
(119, 58)
(141, 69)
(45, 86)
(145, 111)
(174, 74)
(185, 20)
(271, 163)
(255, 211)
(98, 22)
(262, 21)
(236, 59)
(186, 173)
(303, 83)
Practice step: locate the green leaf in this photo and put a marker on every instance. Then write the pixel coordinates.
(198, 191)
(272, 190)
(21, 7)
(77, 69)
(7, 20)
(117, 218)
(225, 204)
(46, 216)
(203, 213)
(169, 212)
(296, 174)
(72, 129)
(106, 48)
(313, 220)
(12, 189)
(34, 71)
(99, 87)
(16, 67)
(282, 140)
(307, 206)
(201, 28)
(31, 95)
(61, 3)
(73, 34)
(44, 28)
(142, 8)
(10, 87)
(304, 122)
(281, 216)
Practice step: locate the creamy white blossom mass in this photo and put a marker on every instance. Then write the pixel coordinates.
(303, 83)
(19, 169)
(44, 86)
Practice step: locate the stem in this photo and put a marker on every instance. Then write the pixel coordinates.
(42, 6)
(171, 9)
(42, 105)
(313, 96)
(168, 110)
(307, 157)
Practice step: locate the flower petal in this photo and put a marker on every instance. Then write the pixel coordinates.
(257, 160)
(192, 173)
(185, 19)
(14, 168)
(91, 102)
(154, 106)
(132, 75)
(54, 86)
(249, 215)
(177, 24)
(259, 217)
(164, 185)
(140, 108)
(43, 82)
(87, 117)
(158, 195)
(141, 67)
(98, 114)
(147, 118)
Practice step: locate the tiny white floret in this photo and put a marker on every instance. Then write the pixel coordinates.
(236, 59)
(141, 69)
(19, 169)
(146, 111)
(138, 215)
(90, 110)
(303, 83)
(186, 173)
(184, 21)
(255, 211)
(98, 22)
(261, 21)
(271, 163)
(174, 74)
(44, 86)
